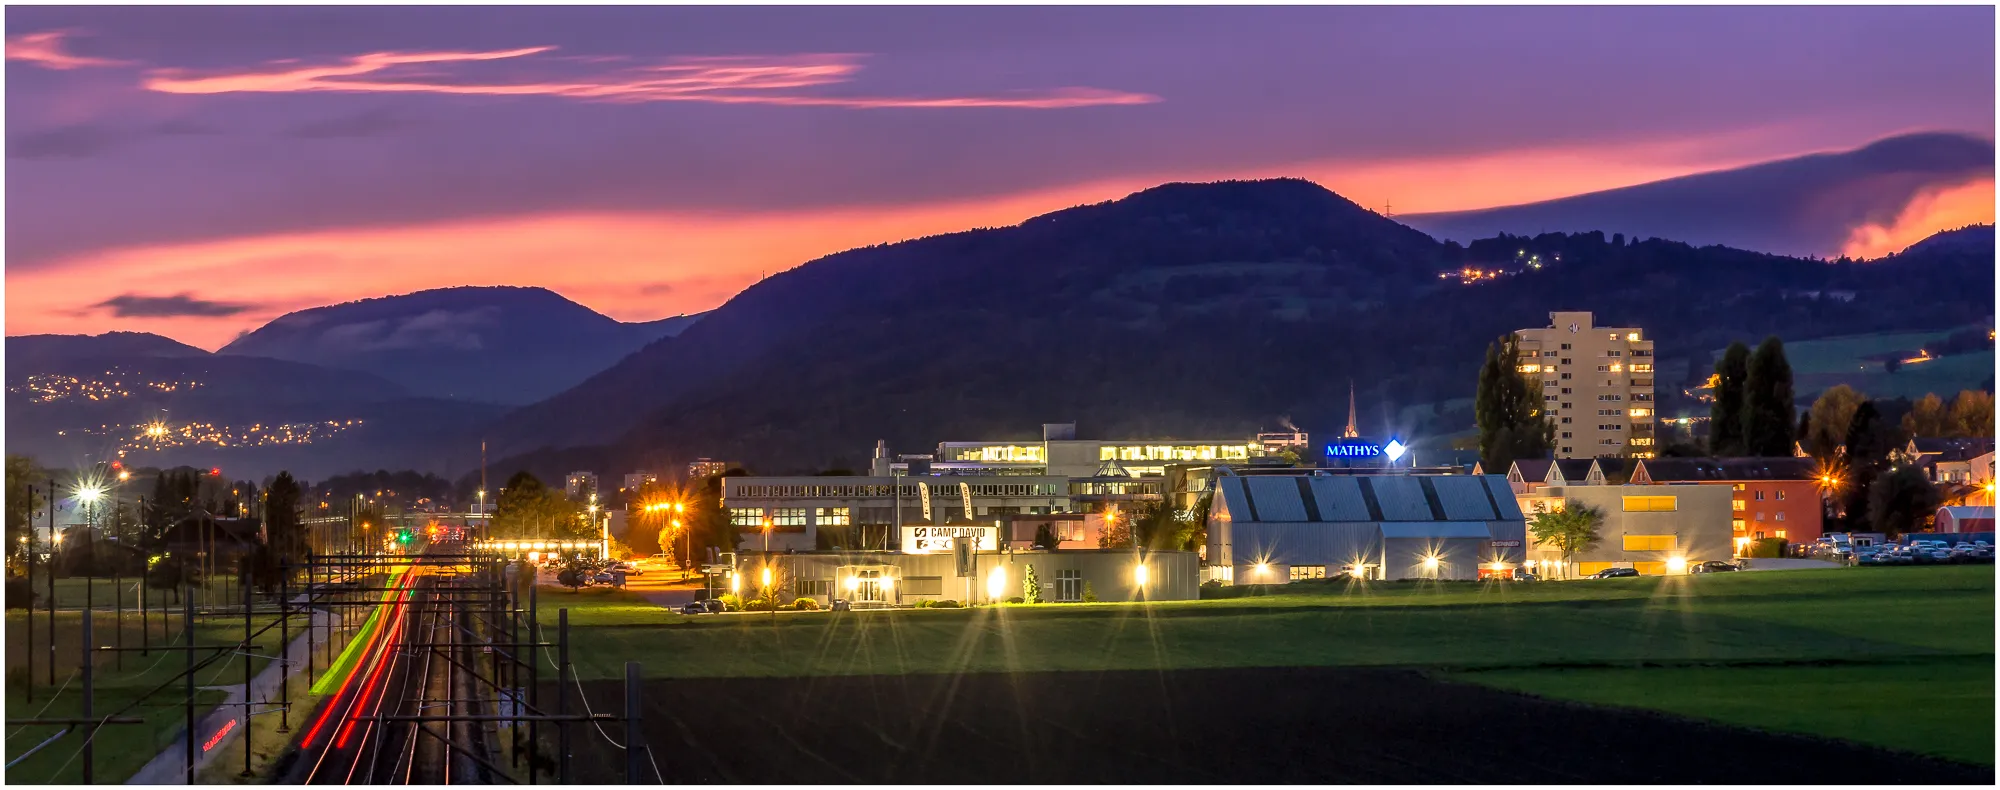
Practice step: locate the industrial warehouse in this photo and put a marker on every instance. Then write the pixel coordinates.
(1273, 528)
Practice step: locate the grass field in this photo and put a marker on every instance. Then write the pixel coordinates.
(1877, 632)
(72, 592)
(1819, 364)
(120, 749)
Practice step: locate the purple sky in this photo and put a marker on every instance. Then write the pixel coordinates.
(655, 160)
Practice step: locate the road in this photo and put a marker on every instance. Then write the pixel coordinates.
(389, 677)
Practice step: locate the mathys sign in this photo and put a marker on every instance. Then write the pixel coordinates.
(937, 540)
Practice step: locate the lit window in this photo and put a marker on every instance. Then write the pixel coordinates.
(1781, 494)
(832, 517)
(1649, 543)
(1736, 505)
(1308, 572)
(1531, 368)
(1651, 504)
(1780, 534)
(1736, 524)
(746, 516)
(1633, 337)
(1641, 412)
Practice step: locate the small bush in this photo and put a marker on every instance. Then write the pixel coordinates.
(1767, 547)
(925, 604)
(1017, 599)
(730, 602)
(1089, 593)
(805, 605)
(18, 594)
(945, 604)
(760, 605)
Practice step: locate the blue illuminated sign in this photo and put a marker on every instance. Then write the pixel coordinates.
(1394, 450)
(1352, 450)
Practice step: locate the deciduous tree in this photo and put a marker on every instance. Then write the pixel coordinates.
(1571, 530)
(1928, 417)
(1901, 502)
(1869, 442)
(1829, 418)
(1972, 413)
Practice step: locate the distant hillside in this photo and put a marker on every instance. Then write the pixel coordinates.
(487, 344)
(73, 399)
(29, 351)
(1189, 309)
(1801, 206)
(1969, 240)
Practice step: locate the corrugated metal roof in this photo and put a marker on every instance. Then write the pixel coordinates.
(1503, 495)
(1437, 529)
(1401, 498)
(1277, 498)
(1303, 543)
(1339, 498)
(1464, 498)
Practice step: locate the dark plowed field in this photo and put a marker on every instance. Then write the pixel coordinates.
(1292, 725)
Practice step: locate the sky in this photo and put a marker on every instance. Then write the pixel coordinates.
(196, 172)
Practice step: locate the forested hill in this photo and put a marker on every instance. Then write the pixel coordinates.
(1211, 309)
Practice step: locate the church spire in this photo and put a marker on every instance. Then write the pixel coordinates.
(1350, 433)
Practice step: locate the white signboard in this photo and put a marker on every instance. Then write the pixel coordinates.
(937, 540)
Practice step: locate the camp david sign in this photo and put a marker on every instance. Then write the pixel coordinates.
(937, 540)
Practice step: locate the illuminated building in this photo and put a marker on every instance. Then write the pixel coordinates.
(704, 468)
(1274, 528)
(1597, 385)
(1654, 529)
(1769, 497)
(580, 486)
(1061, 454)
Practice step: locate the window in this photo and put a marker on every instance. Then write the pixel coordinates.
(1631, 336)
(1565, 390)
(1617, 369)
(1566, 449)
(1780, 533)
(1642, 441)
(1308, 572)
(1736, 524)
(1737, 487)
(923, 585)
(832, 517)
(1611, 335)
(1069, 585)
(1736, 505)
(1609, 441)
(1566, 360)
(1781, 494)
(793, 518)
(1603, 368)
(1760, 515)
(806, 587)
(1614, 353)
(1651, 504)
(1642, 367)
(1566, 434)
(1548, 397)
(1565, 420)
(1565, 348)
(1548, 353)
(1531, 368)
(1548, 382)
(1649, 542)
(1760, 496)
(1641, 413)
(1757, 535)
(747, 516)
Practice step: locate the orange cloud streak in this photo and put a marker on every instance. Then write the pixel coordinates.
(1942, 208)
(640, 266)
(46, 49)
(722, 80)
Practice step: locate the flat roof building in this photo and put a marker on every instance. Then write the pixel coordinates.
(1779, 497)
(1596, 382)
(1273, 528)
(1654, 529)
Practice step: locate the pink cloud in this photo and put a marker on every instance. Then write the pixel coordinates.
(773, 80)
(46, 49)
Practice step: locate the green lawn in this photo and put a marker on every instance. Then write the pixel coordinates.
(72, 592)
(1822, 363)
(120, 749)
(1873, 631)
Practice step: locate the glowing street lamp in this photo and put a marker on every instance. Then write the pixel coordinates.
(996, 584)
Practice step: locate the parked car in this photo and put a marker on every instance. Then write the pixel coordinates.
(695, 607)
(713, 606)
(1614, 573)
(630, 568)
(1713, 566)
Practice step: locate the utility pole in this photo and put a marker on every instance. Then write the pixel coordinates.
(53, 543)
